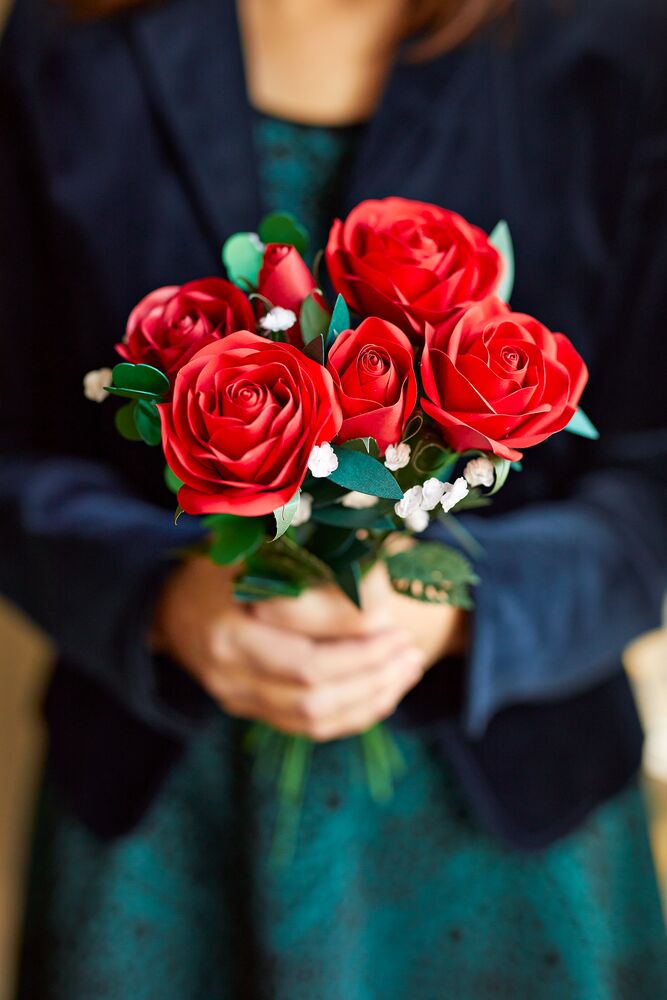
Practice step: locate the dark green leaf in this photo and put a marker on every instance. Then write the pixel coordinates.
(147, 419)
(283, 227)
(172, 481)
(256, 587)
(348, 578)
(124, 420)
(430, 572)
(151, 397)
(314, 319)
(315, 350)
(582, 426)
(235, 537)
(364, 474)
(347, 517)
(140, 378)
(243, 258)
(285, 515)
(340, 320)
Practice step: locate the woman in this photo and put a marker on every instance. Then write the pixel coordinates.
(514, 851)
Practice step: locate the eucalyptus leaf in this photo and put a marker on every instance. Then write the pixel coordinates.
(140, 378)
(501, 239)
(235, 537)
(340, 320)
(583, 426)
(431, 572)
(502, 468)
(285, 515)
(313, 320)
(147, 419)
(283, 227)
(364, 474)
(125, 425)
(243, 256)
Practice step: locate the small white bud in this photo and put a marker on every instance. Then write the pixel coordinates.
(433, 491)
(412, 501)
(417, 521)
(304, 510)
(454, 492)
(94, 382)
(277, 320)
(358, 501)
(397, 456)
(322, 461)
(479, 472)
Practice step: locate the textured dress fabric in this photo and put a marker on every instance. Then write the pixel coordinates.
(408, 899)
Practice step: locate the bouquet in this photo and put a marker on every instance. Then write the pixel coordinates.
(311, 419)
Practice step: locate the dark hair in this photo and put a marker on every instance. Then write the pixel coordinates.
(440, 24)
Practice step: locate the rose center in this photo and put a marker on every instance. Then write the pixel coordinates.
(245, 394)
(513, 358)
(374, 362)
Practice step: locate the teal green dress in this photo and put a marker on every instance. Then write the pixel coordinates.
(409, 900)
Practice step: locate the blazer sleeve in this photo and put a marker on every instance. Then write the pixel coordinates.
(566, 585)
(81, 555)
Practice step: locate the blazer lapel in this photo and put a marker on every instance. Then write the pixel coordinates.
(190, 58)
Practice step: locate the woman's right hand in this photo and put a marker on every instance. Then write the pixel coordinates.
(321, 688)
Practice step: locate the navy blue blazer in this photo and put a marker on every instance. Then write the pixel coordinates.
(126, 159)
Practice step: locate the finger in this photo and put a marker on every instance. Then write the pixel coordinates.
(321, 613)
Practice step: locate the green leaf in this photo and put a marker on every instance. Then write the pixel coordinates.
(125, 425)
(363, 473)
(147, 419)
(283, 227)
(140, 378)
(346, 517)
(315, 350)
(340, 320)
(151, 397)
(234, 537)
(502, 468)
(582, 426)
(313, 320)
(172, 481)
(243, 258)
(431, 572)
(261, 587)
(285, 515)
(501, 239)
(177, 513)
(348, 577)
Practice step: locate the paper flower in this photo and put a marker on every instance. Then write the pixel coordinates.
(417, 521)
(479, 472)
(412, 501)
(304, 510)
(277, 320)
(358, 501)
(454, 493)
(322, 461)
(397, 456)
(94, 382)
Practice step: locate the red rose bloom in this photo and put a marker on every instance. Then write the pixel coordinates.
(499, 381)
(373, 367)
(410, 262)
(244, 418)
(171, 324)
(285, 281)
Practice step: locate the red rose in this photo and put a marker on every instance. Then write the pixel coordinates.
(498, 380)
(410, 262)
(244, 418)
(285, 281)
(373, 367)
(171, 324)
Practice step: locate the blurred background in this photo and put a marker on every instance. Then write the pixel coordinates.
(24, 666)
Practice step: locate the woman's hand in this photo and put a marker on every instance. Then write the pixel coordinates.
(313, 665)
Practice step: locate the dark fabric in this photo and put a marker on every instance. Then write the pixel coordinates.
(127, 159)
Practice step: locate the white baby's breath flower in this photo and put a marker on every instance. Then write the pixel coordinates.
(412, 501)
(358, 501)
(417, 521)
(322, 461)
(433, 491)
(255, 241)
(397, 456)
(454, 493)
(277, 320)
(304, 510)
(479, 472)
(94, 382)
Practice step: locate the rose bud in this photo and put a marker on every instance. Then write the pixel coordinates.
(410, 262)
(285, 281)
(373, 367)
(499, 381)
(171, 324)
